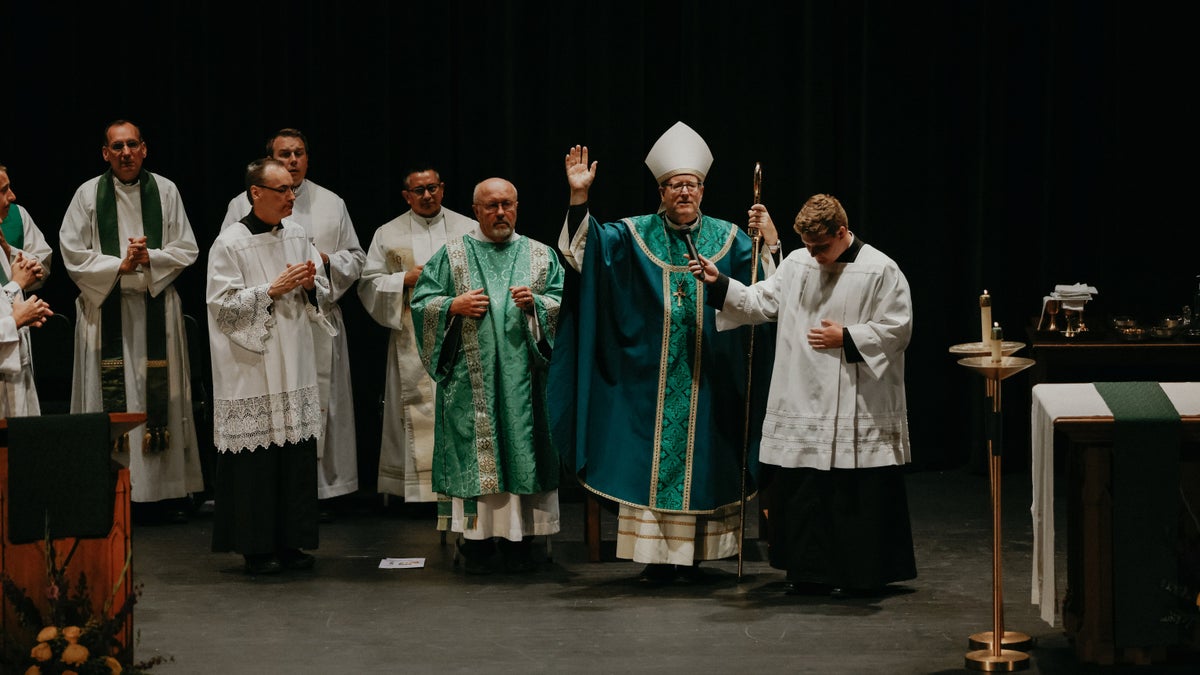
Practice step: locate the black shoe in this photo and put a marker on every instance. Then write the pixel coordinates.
(518, 556)
(691, 575)
(325, 516)
(807, 588)
(657, 573)
(475, 555)
(847, 593)
(177, 517)
(262, 564)
(295, 559)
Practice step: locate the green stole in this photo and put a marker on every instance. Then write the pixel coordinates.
(14, 228)
(112, 345)
(14, 233)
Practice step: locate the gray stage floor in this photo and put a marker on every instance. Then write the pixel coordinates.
(348, 616)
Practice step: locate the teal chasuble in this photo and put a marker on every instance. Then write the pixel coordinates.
(491, 421)
(648, 398)
(112, 347)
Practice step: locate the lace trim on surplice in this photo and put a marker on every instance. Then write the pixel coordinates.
(246, 319)
(247, 423)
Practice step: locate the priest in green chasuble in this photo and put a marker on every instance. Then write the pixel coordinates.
(485, 313)
(649, 399)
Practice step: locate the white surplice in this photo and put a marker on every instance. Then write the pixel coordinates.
(823, 412)
(174, 472)
(265, 389)
(325, 219)
(18, 395)
(406, 449)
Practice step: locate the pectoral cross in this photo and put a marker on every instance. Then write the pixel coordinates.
(680, 293)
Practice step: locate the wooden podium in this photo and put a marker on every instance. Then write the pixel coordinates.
(101, 560)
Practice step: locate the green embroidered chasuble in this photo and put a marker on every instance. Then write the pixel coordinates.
(491, 422)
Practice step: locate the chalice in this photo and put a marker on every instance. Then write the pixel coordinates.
(1052, 307)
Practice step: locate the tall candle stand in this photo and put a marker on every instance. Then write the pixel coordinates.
(987, 653)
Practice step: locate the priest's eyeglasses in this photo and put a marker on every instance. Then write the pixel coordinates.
(282, 189)
(492, 207)
(118, 146)
(420, 190)
(690, 186)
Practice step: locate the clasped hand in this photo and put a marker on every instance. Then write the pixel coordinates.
(135, 254)
(298, 275)
(31, 311)
(474, 303)
(26, 271)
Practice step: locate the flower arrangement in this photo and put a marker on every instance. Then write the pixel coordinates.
(70, 637)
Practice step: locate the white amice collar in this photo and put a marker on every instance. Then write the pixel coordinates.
(478, 235)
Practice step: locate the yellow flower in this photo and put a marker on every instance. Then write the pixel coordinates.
(75, 655)
(1198, 599)
(69, 672)
(41, 652)
(47, 634)
(113, 665)
(71, 634)
(33, 670)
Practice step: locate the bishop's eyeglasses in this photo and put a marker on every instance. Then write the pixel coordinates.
(682, 185)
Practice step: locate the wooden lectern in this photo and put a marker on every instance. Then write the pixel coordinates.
(101, 560)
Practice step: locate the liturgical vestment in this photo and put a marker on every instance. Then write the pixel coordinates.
(406, 448)
(326, 221)
(492, 429)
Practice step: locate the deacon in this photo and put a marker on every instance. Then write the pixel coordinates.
(18, 273)
(324, 217)
(398, 252)
(485, 313)
(650, 399)
(267, 295)
(837, 422)
(124, 240)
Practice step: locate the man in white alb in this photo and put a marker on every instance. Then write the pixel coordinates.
(124, 240)
(398, 252)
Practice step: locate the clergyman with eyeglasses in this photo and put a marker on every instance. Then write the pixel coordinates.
(398, 252)
(485, 315)
(267, 296)
(124, 240)
(325, 218)
(648, 397)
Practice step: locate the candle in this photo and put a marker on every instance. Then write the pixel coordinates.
(985, 317)
(997, 339)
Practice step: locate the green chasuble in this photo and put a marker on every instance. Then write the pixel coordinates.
(491, 430)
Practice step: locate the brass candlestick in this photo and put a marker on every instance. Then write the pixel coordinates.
(987, 653)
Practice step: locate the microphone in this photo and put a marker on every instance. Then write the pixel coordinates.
(691, 245)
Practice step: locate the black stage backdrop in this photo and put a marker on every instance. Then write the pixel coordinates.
(1001, 145)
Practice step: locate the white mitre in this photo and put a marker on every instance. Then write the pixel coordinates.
(679, 150)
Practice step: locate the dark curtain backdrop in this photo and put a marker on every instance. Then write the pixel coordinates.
(1000, 145)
